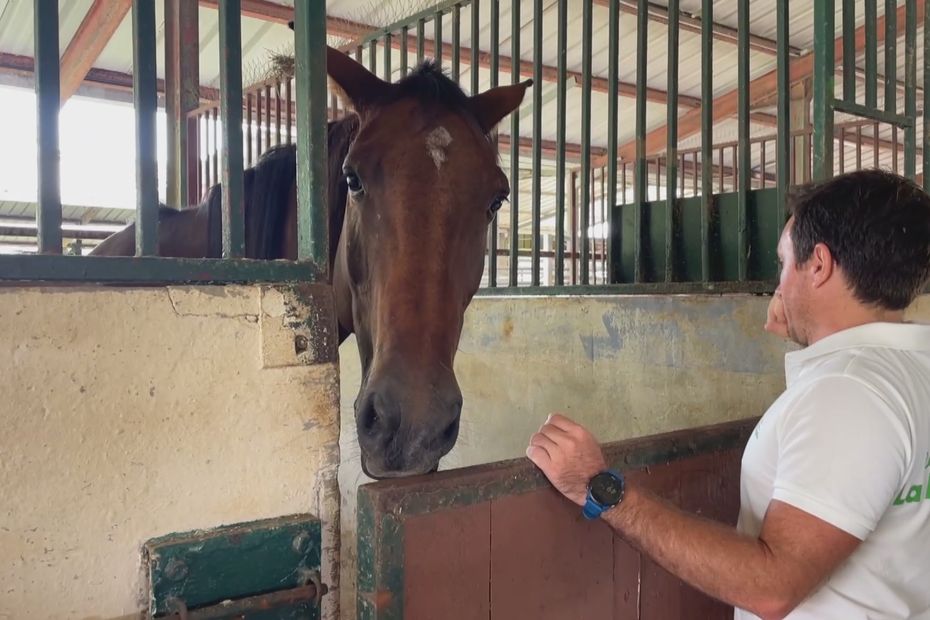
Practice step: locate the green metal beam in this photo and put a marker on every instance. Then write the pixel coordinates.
(537, 138)
(744, 167)
(144, 87)
(910, 88)
(707, 133)
(614, 234)
(640, 186)
(671, 149)
(47, 87)
(824, 75)
(560, 143)
(230, 19)
(783, 137)
(514, 152)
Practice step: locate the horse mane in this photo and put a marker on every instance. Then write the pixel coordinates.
(429, 85)
(267, 190)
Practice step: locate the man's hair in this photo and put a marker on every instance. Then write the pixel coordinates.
(877, 226)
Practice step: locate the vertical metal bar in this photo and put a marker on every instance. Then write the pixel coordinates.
(456, 42)
(537, 138)
(145, 102)
(783, 135)
(681, 177)
(562, 44)
(386, 62)
(182, 96)
(48, 103)
(373, 56)
(745, 167)
(720, 168)
(514, 148)
(201, 160)
(894, 152)
(910, 88)
(613, 114)
(404, 39)
(574, 228)
(842, 154)
(288, 109)
(216, 148)
(763, 163)
(605, 276)
(277, 112)
(268, 116)
(671, 148)
(640, 186)
(248, 130)
(310, 75)
(585, 136)
(495, 76)
(258, 124)
(925, 128)
(871, 54)
(475, 46)
(858, 147)
(823, 88)
(421, 40)
(230, 20)
(891, 56)
(875, 142)
(437, 38)
(849, 51)
(707, 124)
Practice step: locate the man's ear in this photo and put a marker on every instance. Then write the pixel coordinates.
(821, 265)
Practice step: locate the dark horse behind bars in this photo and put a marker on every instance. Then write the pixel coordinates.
(413, 183)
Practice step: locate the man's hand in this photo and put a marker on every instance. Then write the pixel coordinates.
(568, 454)
(775, 321)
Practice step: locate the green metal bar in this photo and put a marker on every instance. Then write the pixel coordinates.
(613, 112)
(427, 13)
(514, 148)
(456, 42)
(475, 46)
(891, 56)
(640, 193)
(537, 137)
(849, 50)
(230, 21)
(910, 88)
(823, 88)
(900, 120)
(925, 138)
(145, 102)
(373, 56)
(629, 288)
(560, 143)
(783, 136)
(48, 103)
(707, 128)
(421, 40)
(744, 166)
(151, 270)
(585, 182)
(495, 76)
(871, 54)
(671, 149)
(404, 37)
(313, 210)
(437, 38)
(387, 56)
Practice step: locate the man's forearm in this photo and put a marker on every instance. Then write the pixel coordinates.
(710, 556)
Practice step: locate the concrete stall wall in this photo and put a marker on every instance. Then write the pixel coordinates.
(624, 366)
(132, 413)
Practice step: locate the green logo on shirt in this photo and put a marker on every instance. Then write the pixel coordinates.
(915, 493)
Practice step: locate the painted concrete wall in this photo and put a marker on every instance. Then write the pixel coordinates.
(623, 366)
(131, 413)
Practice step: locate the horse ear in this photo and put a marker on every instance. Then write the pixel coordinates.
(357, 85)
(491, 106)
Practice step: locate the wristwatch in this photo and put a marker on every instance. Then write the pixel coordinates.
(605, 490)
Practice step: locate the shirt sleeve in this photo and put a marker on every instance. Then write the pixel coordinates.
(843, 453)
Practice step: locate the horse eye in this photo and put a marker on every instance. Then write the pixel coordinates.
(354, 183)
(496, 205)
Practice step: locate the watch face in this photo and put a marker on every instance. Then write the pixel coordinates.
(606, 489)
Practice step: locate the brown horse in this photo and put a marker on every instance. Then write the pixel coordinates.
(414, 182)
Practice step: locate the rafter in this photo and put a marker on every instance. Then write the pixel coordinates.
(92, 36)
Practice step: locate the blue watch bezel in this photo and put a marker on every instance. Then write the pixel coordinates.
(593, 509)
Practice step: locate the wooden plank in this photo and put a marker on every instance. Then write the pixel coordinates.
(627, 574)
(441, 549)
(92, 36)
(547, 562)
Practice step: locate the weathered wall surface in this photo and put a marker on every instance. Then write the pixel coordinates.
(131, 413)
(623, 366)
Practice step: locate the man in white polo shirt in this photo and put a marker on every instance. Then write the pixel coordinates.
(835, 483)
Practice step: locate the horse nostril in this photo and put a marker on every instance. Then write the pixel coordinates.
(451, 431)
(369, 419)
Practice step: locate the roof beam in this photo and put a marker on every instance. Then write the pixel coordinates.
(726, 105)
(92, 36)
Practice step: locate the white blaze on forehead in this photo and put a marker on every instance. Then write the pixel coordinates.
(436, 143)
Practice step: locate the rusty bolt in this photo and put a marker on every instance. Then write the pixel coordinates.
(301, 543)
(176, 570)
(301, 344)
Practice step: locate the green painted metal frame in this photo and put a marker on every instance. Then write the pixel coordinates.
(824, 75)
(206, 567)
(925, 138)
(707, 134)
(48, 97)
(475, 49)
(783, 138)
(671, 147)
(144, 88)
(313, 210)
(536, 202)
(561, 94)
(384, 507)
(495, 77)
(744, 169)
(910, 88)
(456, 42)
(849, 51)
(640, 182)
(613, 121)
(891, 56)
(584, 205)
(871, 53)
(514, 261)
(233, 206)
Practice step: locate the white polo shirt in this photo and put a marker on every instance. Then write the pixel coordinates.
(849, 442)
